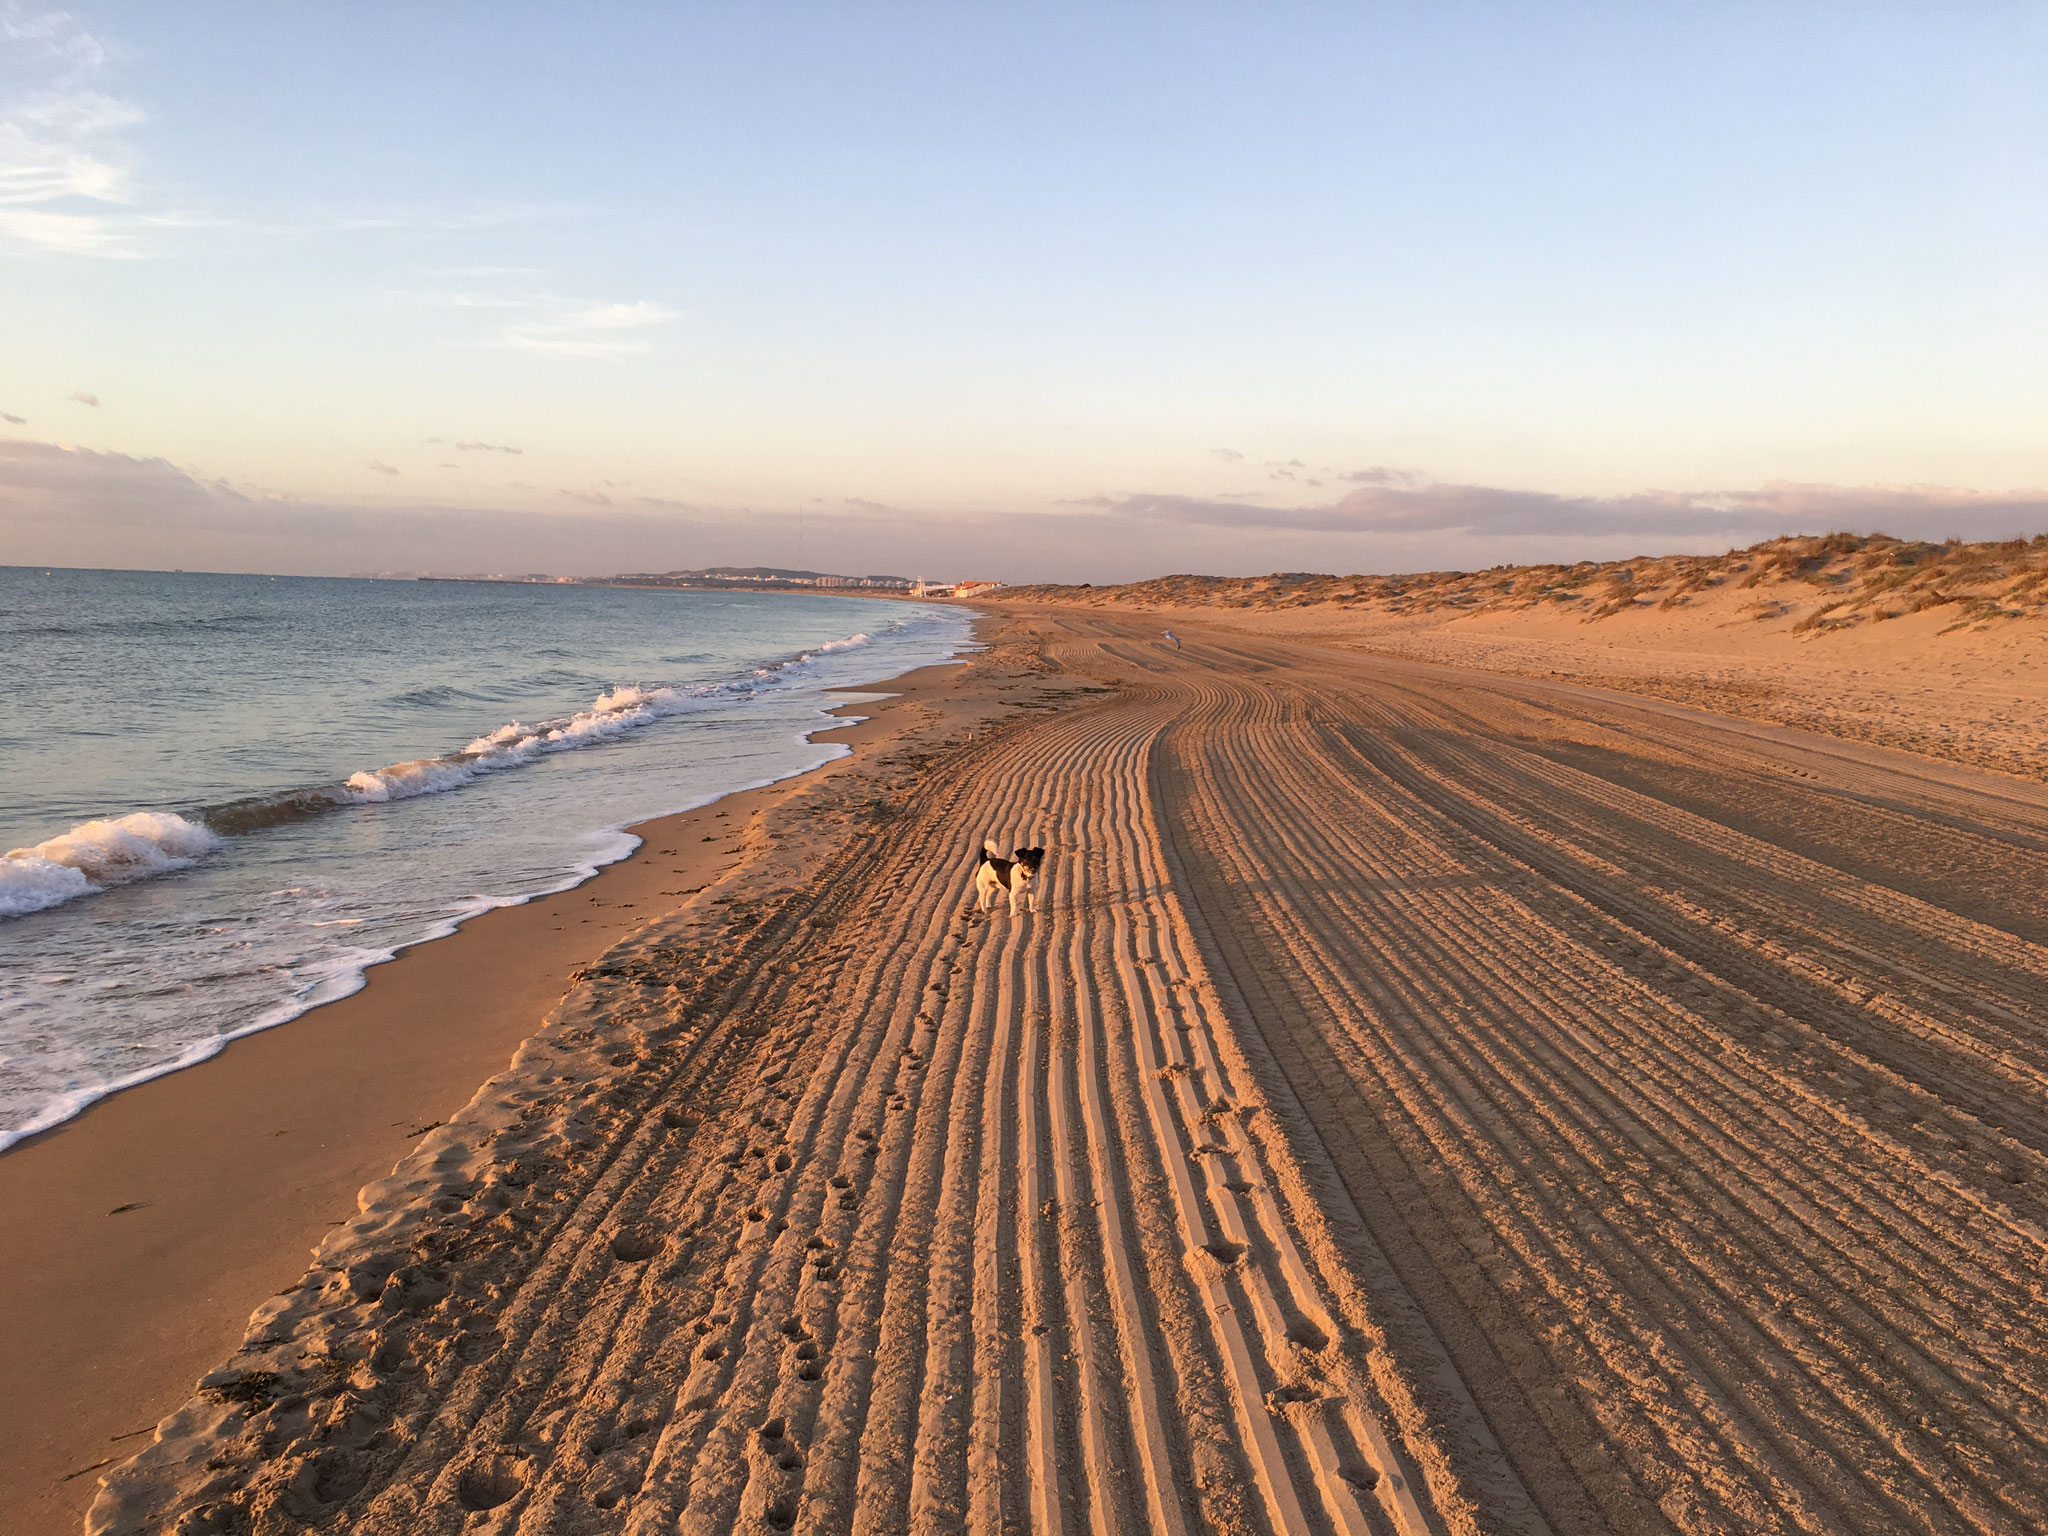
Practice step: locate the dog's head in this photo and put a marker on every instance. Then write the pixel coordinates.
(1029, 858)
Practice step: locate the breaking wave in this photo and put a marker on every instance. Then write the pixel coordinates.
(96, 854)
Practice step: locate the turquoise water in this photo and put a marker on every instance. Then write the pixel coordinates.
(228, 795)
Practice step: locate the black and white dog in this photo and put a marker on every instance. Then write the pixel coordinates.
(1018, 875)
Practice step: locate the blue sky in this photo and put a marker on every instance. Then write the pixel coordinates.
(1400, 284)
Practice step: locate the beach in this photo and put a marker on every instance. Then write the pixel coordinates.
(142, 1234)
(1424, 1099)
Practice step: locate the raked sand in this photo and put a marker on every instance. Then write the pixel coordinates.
(1425, 1101)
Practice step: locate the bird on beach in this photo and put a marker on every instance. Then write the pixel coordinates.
(1174, 638)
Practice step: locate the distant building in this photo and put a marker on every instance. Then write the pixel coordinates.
(974, 588)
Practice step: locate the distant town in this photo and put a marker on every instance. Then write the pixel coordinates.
(725, 578)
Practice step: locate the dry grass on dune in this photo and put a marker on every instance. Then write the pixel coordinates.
(1928, 648)
(1853, 577)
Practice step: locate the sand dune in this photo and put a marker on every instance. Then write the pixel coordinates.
(1424, 1102)
(1940, 649)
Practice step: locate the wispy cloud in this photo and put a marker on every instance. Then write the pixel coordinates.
(535, 318)
(13, 420)
(1227, 455)
(85, 397)
(382, 468)
(588, 330)
(486, 447)
(66, 178)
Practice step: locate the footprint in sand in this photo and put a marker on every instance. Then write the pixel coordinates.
(632, 1244)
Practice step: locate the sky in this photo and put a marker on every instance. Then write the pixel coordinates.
(1080, 292)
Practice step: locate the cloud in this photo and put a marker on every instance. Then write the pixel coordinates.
(483, 447)
(382, 468)
(1379, 474)
(13, 420)
(587, 330)
(84, 397)
(65, 162)
(1227, 455)
(534, 318)
(593, 498)
(79, 507)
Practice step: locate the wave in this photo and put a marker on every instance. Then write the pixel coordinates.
(430, 698)
(96, 854)
(610, 715)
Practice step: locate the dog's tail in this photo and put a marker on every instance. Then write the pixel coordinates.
(989, 850)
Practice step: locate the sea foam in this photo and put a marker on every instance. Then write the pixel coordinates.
(610, 715)
(96, 854)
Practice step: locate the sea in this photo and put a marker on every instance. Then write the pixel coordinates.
(227, 796)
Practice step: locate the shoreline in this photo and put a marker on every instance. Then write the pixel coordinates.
(607, 844)
(146, 1227)
(574, 878)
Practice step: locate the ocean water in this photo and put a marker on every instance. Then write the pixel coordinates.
(228, 795)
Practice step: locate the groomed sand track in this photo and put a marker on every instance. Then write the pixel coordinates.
(1422, 1103)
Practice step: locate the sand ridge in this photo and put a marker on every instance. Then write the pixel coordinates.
(1427, 1102)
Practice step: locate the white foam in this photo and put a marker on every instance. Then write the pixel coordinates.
(96, 854)
(29, 884)
(401, 781)
(610, 715)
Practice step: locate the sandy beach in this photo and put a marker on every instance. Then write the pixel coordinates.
(143, 1233)
(1426, 1099)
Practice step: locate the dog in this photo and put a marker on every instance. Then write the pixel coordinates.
(1018, 875)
